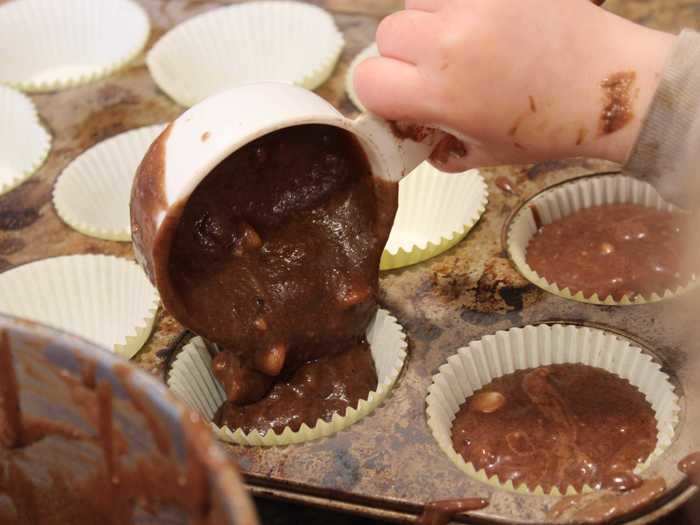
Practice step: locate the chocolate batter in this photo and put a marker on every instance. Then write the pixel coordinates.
(556, 426)
(617, 103)
(315, 391)
(276, 259)
(618, 249)
(690, 466)
(450, 147)
(504, 184)
(58, 474)
(277, 251)
(442, 512)
(601, 508)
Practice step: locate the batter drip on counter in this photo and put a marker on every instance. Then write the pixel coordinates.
(557, 426)
(617, 250)
(606, 506)
(442, 512)
(276, 259)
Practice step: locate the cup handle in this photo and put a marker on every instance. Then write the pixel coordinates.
(403, 146)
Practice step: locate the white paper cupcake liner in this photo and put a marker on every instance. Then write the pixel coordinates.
(105, 299)
(24, 143)
(568, 198)
(436, 211)
(493, 356)
(253, 42)
(56, 44)
(370, 51)
(92, 194)
(192, 380)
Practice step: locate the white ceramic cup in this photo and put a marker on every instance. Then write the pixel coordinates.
(197, 141)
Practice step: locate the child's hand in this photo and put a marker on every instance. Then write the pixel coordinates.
(519, 81)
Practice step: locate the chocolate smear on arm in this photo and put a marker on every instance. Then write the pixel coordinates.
(617, 104)
(442, 512)
(533, 106)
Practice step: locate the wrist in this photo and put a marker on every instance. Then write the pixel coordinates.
(626, 91)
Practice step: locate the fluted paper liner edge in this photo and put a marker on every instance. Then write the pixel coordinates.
(436, 211)
(165, 59)
(564, 200)
(192, 380)
(61, 77)
(505, 352)
(105, 299)
(25, 123)
(99, 174)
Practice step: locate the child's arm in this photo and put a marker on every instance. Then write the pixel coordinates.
(519, 81)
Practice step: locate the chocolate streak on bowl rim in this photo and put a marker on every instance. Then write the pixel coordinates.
(210, 481)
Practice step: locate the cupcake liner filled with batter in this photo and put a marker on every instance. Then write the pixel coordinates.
(436, 211)
(253, 42)
(370, 51)
(92, 194)
(604, 240)
(193, 380)
(105, 299)
(24, 143)
(552, 409)
(71, 42)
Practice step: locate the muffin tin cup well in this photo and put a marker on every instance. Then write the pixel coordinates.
(505, 352)
(567, 198)
(436, 211)
(191, 378)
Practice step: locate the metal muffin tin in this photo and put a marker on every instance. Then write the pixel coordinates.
(387, 465)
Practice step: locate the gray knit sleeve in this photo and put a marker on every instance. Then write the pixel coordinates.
(667, 152)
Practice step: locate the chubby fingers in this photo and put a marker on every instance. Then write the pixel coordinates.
(393, 90)
(405, 35)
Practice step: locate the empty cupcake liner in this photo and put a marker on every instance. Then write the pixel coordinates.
(192, 380)
(257, 41)
(505, 352)
(436, 211)
(61, 44)
(92, 194)
(24, 143)
(370, 51)
(107, 300)
(566, 199)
